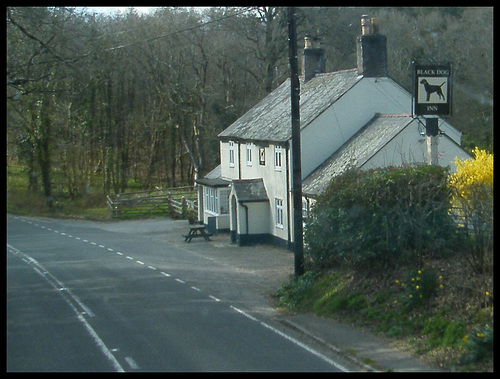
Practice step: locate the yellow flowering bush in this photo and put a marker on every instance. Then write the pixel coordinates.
(420, 288)
(472, 206)
(472, 172)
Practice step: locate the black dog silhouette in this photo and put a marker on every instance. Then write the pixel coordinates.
(431, 89)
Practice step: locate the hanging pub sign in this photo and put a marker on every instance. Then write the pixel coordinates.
(432, 90)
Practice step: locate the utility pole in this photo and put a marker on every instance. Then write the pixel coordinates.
(296, 160)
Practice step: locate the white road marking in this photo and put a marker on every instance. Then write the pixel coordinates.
(140, 262)
(179, 280)
(293, 340)
(165, 274)
(131, 363)
(70, 298)
(213, 298)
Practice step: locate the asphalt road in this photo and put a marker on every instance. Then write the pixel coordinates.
(85, 296)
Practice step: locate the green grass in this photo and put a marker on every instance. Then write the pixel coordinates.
(433, 326)
(92, 206)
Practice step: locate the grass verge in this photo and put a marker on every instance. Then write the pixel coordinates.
(431, 311)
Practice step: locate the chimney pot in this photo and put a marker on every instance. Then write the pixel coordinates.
(375, 25)
(317, 42)
(307, 42)
(365, 25)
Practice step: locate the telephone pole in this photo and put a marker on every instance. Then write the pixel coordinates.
(296, 160)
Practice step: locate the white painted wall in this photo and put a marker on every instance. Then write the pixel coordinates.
(409, 147)
(330, 130)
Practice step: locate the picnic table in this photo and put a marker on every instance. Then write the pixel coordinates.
(195, 232)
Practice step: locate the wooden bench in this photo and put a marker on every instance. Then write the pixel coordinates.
(195, 232)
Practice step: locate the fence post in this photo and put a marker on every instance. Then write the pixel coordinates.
(184, 206)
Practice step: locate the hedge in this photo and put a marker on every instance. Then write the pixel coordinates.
(379, 218)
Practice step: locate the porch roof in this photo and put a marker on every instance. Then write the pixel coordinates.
(250, 190)
(213, 179)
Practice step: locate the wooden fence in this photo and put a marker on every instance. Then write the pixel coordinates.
(179, 201)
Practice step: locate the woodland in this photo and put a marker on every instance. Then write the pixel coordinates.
(109, 102)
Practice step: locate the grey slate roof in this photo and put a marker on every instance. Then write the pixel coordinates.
(356, 151)
(270, 119)
(250, 190)
(213, 179)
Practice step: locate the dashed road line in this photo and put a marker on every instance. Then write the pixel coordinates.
(133, 365)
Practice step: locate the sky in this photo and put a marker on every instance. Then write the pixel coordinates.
(121, 9)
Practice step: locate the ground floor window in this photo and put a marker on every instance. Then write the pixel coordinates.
(216, 200)
(279, 212)
(211, 200)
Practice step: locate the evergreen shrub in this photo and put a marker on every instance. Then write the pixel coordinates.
(379, 217)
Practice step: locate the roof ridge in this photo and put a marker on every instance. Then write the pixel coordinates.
(394, 115)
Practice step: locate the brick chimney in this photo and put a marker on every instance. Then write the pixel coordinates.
(371, 49)
(313, 58)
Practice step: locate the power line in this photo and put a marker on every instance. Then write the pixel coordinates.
(144, 41)
(148, 40)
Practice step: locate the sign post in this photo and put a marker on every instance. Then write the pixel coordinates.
(432, 97)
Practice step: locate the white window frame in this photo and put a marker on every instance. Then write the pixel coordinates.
(249, 154)
(278, 157)
(279, 212)
(231, 154)
(211, 200)
(216, 200)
